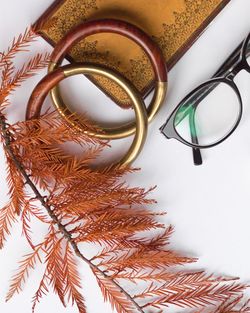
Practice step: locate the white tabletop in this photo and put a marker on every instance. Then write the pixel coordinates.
(209, 205)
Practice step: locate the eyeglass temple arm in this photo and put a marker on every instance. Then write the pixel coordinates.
(229, 63)
(197, 158)
(195, 100)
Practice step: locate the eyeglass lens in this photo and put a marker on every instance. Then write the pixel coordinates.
(209, 114)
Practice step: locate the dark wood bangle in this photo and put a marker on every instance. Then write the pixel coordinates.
(130, 31)
(123, 28)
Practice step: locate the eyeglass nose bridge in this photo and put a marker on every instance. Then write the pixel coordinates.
(239, 66)
(245, 53)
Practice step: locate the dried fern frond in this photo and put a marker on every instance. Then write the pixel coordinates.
(7, 72)
(19, 44)
(42, 290)
(114, 295)
(50, 130)
(79, 203)
(16, 187)
(40, 61)
(7, 219)
(204, 295)
(233, 305)
(28, 70)
(9, 80)
(72, 281)
(26, 227)
(55, 264)
(27, 264)
(148, 260)
(126, 244)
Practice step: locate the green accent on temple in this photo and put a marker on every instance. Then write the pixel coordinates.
(192, 124)
(184, 111)
(187, 111)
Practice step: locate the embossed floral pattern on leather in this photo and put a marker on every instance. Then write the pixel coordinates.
(173, 24)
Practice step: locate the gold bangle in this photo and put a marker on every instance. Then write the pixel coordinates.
(51, 80)
(108, 133)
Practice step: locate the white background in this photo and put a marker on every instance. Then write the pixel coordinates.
(208, 205)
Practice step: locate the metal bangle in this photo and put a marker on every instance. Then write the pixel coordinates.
(134, 33)
(51, 80)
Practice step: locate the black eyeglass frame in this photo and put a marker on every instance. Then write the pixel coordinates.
(169, 130)
(236, 62)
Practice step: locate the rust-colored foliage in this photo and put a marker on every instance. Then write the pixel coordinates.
(81, 204)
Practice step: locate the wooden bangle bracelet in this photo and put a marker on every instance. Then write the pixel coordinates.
(125, 29)
(51, 80)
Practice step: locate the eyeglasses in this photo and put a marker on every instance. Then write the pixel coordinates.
(211, 112)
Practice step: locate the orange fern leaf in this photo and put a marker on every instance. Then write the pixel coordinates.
(177, 283)
(28, 70)
(16, 186)
(229, 305)
(200, 296)
(111, 226)
(55, 263)
(38, 213)
(27, 264)
(50, 129)
(72, 280)
(7, 219)
(26, 219)
(126, 244)
(41, 291)
(7, 71)
(114, 295)
(144, 259)
(18, 45)
(17, 198)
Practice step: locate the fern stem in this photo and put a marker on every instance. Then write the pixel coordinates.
(7, 142)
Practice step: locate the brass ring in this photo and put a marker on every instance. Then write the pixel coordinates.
(51, 80)
(125, 29)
